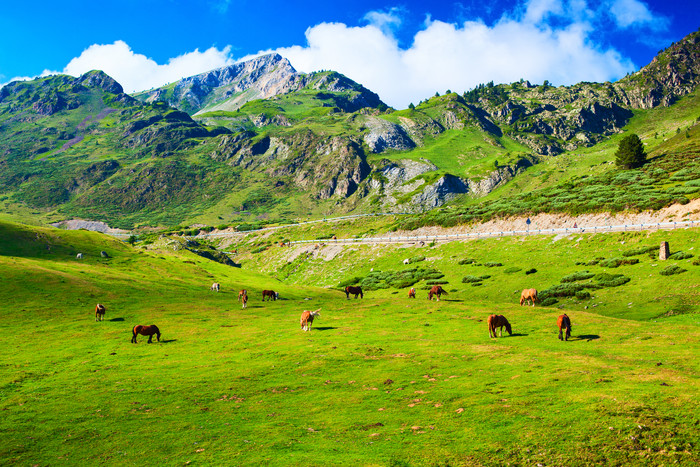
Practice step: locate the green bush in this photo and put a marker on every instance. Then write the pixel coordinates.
(351, 281)
(466, 261)
(416, 259)
(436, 282)
(640, 250)
(617, 262)
(610, 280)
(470, 279)
(561, 290)
(531, 271)
(492, 265)
(583, 295)
(549, 301)
(577, 276)
(671, 270)
(680, 255)
(476, 284)
(512, 270)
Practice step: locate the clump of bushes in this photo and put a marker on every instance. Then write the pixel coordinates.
(680, 255)
(617, 262)
(436, 282)
(466, 261)
(583, 295)
(610, 280)
(393, 279)
(671, 270)
(531, 271)
(577, 276)
(474, 280)
(549, 301)
(640, 251)
(512, 270)
(491, 264)
(416, 259)
(592, 262)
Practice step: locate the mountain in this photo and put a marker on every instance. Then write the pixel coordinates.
(264, 77)
(257, 141)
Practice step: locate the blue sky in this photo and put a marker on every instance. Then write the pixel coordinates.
(404, 51)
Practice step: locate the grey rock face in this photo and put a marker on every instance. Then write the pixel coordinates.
(383, 135)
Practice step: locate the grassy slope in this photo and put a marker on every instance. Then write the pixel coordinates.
(247, 386)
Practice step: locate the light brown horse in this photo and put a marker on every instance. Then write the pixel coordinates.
(498, 321)
(215, 287)
(412, 293)
(100, 312)
(564, 323)
(145, 331)
(528, 294)
(355, 290)
(436, 290)
(270, 294)
(307, 319)
(244, 301)
(241, 294)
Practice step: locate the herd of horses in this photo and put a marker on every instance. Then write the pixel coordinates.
(495, 322)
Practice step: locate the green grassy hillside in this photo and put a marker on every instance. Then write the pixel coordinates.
(382, 380)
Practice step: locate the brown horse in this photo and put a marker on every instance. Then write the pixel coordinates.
(528, 294)
(244, 301)
(498, 321)
(355, 290)
(307, 319)
(241, 294)
(145, 331)
(412, 293)
(564, 323)
(100, 312)
(270, 294)
(436, 290)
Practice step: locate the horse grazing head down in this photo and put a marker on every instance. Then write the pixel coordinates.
(270, 294)
(307, 319)
(564, 323)
(145, 330)
(528, 294)
(355, 290)
(436, 290)
(498, 322)
(100, 312)
(412, 293)
(215, 287)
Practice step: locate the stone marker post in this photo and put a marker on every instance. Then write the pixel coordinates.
(664, 251)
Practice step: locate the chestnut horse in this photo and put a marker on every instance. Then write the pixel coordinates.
(436, 290)
(412, 293)
(307, 319)
(270, 294)
(100, 312)
(528, 294)
(353, 290)
(244, 300)
(145, 331)
(498, 321)
(241, 294)
(564, 323)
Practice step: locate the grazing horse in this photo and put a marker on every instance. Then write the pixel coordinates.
(498, 321)
(528, 294)
(270, 294)
(244, 300)
(241, 294)
(215, 287)
(412, 293)
(307, 319)
(564, 323)
(145, 331)
(355, 290)
(436, 290)
(100, 312)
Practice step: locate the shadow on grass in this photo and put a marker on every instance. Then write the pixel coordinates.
(326, 328)
(167, 341)
(116, 319)
(519, 334)
(586, 337)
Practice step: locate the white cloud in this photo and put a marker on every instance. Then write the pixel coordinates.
(136, 72)
(630, 12)
(458, 57)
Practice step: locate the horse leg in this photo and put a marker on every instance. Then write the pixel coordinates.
(150, 339)
(560, 335)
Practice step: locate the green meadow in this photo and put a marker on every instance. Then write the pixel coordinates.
(383, 380)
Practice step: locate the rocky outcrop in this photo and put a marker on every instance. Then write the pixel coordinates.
(383, 135)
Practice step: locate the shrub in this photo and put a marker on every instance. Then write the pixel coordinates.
(512, 270)
(680, 255)
(640, 250)
(476, 284)
(671, 270)
(610, 280)
(467, 261)
(577, 276)
(549, 301)
(583, 295)
(492, 265)
(630, 153)
(416, 259)
(562, 290)
(531, 271)
(351, 281)
(617, 262)
(470, 279)
(436, 282)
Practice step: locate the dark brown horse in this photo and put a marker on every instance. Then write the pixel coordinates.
(564, 323)
(355, 290)
(100, 312)
(145, 331)
(270, 294)
(498, 321)
(412, 293)
(436, 290)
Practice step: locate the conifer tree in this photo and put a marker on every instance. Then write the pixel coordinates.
(630, 153)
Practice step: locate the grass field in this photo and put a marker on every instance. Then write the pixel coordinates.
(378, 381)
